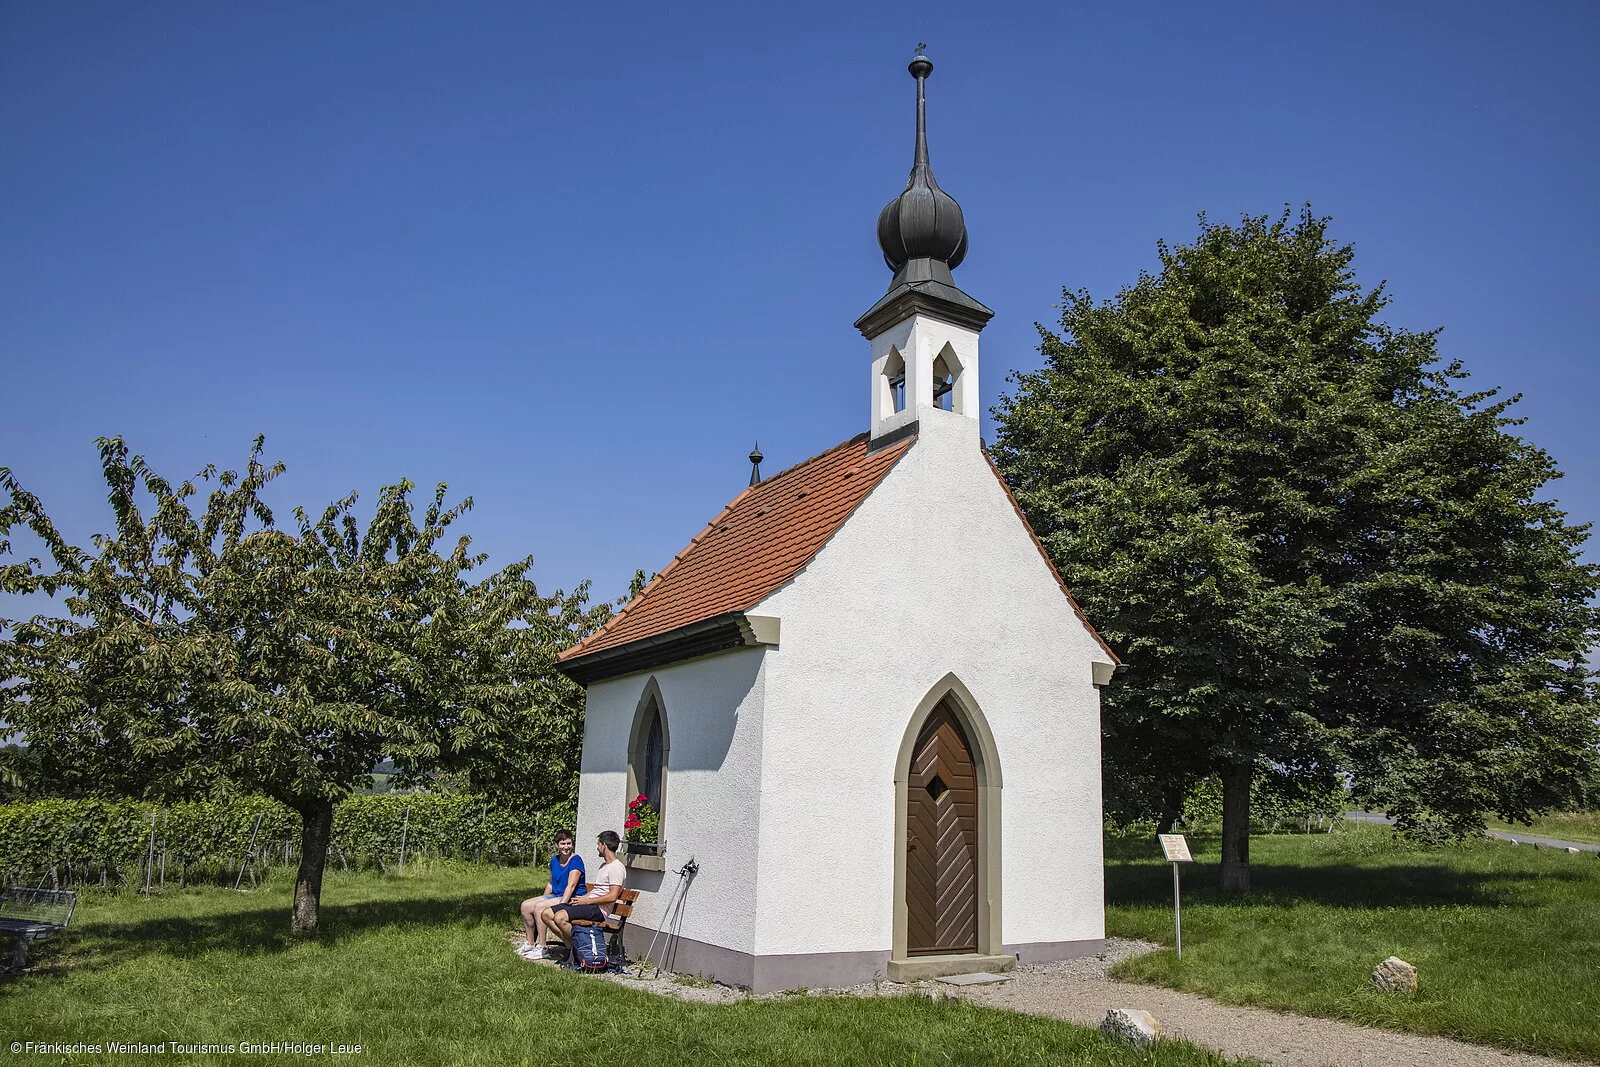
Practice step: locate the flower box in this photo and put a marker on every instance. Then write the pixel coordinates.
(645, 855)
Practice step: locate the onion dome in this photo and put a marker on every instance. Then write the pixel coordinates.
(924, 222)
(923, 235)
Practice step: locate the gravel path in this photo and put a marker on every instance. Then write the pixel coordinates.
(1080, 991)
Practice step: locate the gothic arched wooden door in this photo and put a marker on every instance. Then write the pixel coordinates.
(942, 840)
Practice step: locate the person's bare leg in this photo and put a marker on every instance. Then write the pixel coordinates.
(541, 919)
(561, 927)
(530, 922)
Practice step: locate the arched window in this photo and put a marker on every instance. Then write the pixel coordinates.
(946, 376)
(648, 749)
(894, 373)
(655, 757)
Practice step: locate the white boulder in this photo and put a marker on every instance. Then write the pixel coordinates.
(1131, 1024)
(1395, 975)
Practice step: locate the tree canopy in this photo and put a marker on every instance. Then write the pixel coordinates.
(203, 648)
(1324, 559)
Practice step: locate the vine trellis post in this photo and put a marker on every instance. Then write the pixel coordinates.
(405, 824)
(150, 857)
(483, 831)
(249, 852)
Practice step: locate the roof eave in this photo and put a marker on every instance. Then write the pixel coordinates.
(943, 302)
(719, 633)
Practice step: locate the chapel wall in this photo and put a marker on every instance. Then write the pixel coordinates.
(934, 573)
(713, 708)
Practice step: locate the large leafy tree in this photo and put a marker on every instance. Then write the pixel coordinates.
(1324, 559)
(203, 648)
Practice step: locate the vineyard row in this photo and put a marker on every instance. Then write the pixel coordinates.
(61, 843)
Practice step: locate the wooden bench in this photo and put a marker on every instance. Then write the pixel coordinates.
(614, 924)
(28, 915)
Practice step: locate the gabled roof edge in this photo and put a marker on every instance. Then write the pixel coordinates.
(902, 447)
(576, 650)
(1048, 562)
(585, 648)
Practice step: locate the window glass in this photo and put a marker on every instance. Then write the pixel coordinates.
(650, 786)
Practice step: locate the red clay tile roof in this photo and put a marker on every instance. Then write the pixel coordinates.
(761, 540)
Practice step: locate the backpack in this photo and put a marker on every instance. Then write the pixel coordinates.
(589, 948)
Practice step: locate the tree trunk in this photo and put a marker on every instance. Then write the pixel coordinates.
(316, 827)
(1236, 826)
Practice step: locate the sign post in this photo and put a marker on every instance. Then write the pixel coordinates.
(1176, 849)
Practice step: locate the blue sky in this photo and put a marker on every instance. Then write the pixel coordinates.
(574, 259)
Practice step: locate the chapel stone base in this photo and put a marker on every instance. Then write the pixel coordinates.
(830, 970)
(917, 968)
(759, 974)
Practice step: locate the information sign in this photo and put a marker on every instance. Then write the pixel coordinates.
(1176, 849)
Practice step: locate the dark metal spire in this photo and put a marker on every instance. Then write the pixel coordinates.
(920, 68)
(755, 464)
(922, 231)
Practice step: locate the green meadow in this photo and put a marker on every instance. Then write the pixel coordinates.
(1506, 938)
(417, 970)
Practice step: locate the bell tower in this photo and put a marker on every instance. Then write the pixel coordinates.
(924, 331)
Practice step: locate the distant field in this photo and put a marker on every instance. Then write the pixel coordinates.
(417, 970)
(1567, 825)
(1506, 939)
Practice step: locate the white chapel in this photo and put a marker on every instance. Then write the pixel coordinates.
(861, 699)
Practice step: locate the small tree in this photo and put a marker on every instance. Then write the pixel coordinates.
(206, 649)
(1320, 556)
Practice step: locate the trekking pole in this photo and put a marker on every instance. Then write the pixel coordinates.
(685, 873)
(669, 952)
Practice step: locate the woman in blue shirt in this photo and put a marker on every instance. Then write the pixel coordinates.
(566, 882)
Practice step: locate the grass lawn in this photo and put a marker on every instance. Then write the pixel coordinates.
(417, 970)
(1506, 938)
(1565, 825)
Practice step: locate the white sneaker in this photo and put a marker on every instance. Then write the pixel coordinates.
(533, 952)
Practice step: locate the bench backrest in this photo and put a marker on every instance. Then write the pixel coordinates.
(623, 906)
(38, 905)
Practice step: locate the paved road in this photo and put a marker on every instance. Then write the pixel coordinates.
(1500, 835)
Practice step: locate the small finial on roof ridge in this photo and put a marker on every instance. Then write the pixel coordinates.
(755, 464)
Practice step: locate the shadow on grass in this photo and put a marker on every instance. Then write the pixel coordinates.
(1135, 875)
(259, 930)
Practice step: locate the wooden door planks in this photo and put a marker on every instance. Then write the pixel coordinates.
(942, 840)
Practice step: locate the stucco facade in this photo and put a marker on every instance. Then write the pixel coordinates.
(781, 774)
